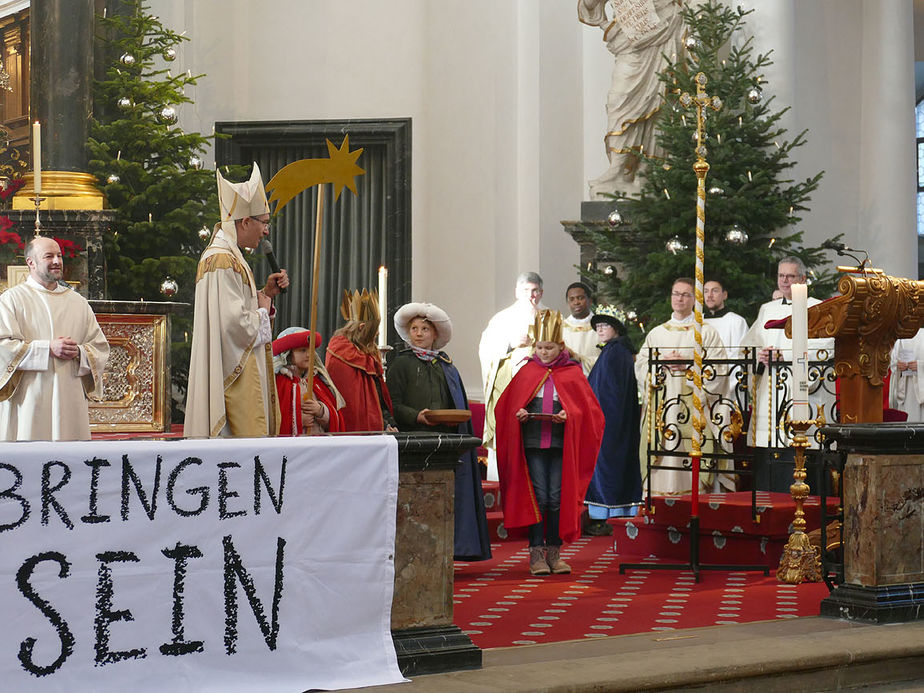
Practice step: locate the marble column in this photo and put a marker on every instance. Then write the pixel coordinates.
(61, 83)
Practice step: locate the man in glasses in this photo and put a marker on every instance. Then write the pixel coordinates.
(674, 341)
(772, 401)
(231, 390)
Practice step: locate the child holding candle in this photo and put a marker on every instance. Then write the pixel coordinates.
(549, 428)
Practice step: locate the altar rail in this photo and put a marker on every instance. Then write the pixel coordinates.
(731, 391)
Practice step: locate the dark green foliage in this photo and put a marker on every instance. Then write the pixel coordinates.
(162, 198)
(750, 162)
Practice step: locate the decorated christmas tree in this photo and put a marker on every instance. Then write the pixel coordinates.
(753, 206)
(149, 169)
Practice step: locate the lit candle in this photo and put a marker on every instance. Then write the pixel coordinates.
(800, 405)
(37, 156)
(383, 306)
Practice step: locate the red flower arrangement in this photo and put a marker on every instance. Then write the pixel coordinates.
(11, 245)
(10, 187)
(69, 249)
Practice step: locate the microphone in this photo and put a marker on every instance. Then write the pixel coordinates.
(267, 249)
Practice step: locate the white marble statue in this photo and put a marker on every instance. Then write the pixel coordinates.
(638, 33)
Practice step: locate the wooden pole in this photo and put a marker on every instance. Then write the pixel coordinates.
(312, 352)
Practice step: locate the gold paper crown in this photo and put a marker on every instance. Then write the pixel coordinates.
(360, 307)
(547, 327)
(242, 200)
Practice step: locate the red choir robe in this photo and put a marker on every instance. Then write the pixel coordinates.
(356, 374)
(290, 400)
(583, 433)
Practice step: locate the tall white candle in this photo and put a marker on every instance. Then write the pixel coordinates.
(383, 306)
(37, 156)
(800, 405)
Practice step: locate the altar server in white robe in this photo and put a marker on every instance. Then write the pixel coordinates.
(906, 386)
(52, 353)
(579, 335)
(675, 340)
(504, 347)
(232, 391)
(773, 343)
(730, 326)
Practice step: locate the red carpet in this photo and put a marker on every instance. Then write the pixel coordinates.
(499, 604)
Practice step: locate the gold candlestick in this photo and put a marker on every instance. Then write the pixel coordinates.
(800, 562)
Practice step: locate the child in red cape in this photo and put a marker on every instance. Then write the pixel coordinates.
(549, 427)
(290, 363)
(355, 365)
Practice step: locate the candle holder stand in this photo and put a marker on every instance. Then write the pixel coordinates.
(800, 562)
(38, 224)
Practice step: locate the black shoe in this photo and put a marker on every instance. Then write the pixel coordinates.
(597, 528)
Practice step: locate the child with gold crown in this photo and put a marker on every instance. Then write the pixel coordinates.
(549, 427)
(355, 365)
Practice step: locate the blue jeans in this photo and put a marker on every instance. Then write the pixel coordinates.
(545, 474)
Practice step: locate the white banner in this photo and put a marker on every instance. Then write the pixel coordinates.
(202, 565)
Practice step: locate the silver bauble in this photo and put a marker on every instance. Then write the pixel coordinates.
(736, 235)
(205, 233)
(691, 43)
(170, 55)
(113, 178)
(632, 315)
(716, 190)
(195, 162)
(615, 218)
(125, 103)
(169, 287)
(127, 59)
(754, 95)
(675, 245)
(609, 270)
(168, 115)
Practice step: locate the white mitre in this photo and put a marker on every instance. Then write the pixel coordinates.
(242, 200)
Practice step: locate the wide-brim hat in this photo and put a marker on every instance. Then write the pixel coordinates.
(434, 314)
(293, 338)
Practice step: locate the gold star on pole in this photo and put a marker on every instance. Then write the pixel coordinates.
(339, 168)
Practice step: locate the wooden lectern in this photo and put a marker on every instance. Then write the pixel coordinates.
(872, 311)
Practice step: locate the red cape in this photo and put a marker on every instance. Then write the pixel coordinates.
(583, 433)
(354, 373)
(290, 420)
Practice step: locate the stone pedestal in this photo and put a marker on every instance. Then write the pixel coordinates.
(883, 541)
(426, 640)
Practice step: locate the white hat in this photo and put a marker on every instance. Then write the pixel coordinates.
(242, 200)
(434, 314)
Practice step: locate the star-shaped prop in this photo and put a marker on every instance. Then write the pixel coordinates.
(339, 168)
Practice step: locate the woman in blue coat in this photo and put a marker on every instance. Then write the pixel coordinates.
(617, 482)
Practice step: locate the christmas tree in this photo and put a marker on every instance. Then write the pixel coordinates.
(149, 169)
(752, 205)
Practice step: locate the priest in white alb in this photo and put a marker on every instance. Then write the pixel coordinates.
(52, 353)
(232, 391)
(579, 335)
(906, 385)
(504, 347)
(772, 344)
(674, 340)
